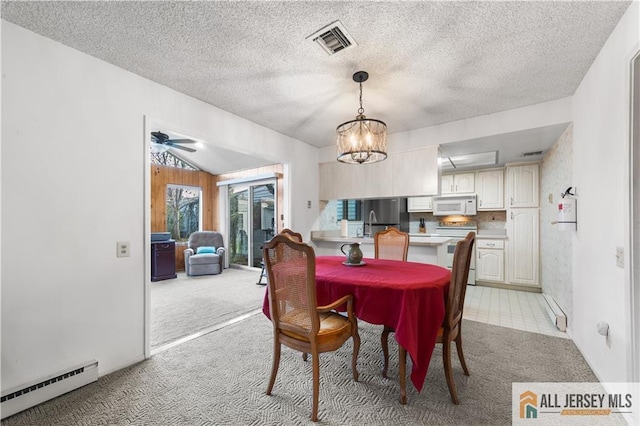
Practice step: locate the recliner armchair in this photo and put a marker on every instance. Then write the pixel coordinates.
(206, 262)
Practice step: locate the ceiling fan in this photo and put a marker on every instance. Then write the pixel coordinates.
(161, 142)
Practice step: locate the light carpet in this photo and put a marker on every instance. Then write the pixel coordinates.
(186, 305)
(220, 379)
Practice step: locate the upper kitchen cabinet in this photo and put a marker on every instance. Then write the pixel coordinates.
(523, 185)
(339, 181)
(416, 173)
(419, 204)
(459, 183)
(404, 174)
(490, 189)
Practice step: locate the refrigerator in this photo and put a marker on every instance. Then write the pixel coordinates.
(388, 212)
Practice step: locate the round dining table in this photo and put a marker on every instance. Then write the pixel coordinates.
(407, 296)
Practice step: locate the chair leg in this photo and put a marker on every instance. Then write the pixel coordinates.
(262, 275)
(316, 386)
(448, 372)
(402, 358)
(461, 355)
(384, 342)
(275, 365)
(356, 350)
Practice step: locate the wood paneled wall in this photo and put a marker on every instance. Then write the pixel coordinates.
(161, 176)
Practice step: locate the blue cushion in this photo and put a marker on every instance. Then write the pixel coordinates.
(205, 249)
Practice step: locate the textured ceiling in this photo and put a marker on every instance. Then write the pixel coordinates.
(429, 62)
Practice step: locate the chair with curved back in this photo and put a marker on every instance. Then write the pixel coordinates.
(298, 322)
(394, 245)
(391, 244)
(451, 329)
(294, 236)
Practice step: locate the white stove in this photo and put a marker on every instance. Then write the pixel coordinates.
(457, 231)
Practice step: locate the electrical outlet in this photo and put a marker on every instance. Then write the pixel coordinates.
(620, 257)
(123, 249)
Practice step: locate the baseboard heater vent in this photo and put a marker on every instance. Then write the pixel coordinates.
(31, 394)
(555, 313)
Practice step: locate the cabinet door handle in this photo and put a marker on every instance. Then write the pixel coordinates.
(491, 245)
(511, 200)
(456, 188)
(511, 215)
(480, 203)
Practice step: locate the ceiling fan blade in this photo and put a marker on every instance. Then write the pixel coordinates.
(184, 148)
(181, 141)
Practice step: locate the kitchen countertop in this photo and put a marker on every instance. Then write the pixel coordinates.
(414, 239)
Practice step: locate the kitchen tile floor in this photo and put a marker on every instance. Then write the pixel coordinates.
(521, 310)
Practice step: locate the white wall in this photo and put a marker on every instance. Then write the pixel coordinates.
(601, 173)
(73, 184)
(556, 175)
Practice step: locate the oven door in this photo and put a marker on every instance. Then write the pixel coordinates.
(451, 248)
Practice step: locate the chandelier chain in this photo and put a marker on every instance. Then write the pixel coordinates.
(360, 110)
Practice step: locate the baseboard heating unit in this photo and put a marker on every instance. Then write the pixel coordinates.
(555, 313)
(28, 395)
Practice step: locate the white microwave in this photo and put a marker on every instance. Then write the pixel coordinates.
(447, 205)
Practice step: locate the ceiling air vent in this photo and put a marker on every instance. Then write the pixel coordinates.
(532, 153)
(333, 38)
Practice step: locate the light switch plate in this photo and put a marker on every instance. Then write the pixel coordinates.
(123, 249)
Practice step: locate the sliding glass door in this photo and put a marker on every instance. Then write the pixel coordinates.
(252, 214)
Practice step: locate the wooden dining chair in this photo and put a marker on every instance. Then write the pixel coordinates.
(295, 236)
(298, 322)
(451, 329)
(391, 244)
(394, 245)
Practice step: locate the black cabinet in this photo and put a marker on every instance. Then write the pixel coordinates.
(163, 260)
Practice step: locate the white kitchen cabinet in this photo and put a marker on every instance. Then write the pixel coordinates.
(523, 185)
(415, 173)
(459, 183)
(340, 181)
(404, 174)
(490, 259)
(490, 189)
(419, 204)
(523, 262)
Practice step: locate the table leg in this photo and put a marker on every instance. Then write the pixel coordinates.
(402, 355)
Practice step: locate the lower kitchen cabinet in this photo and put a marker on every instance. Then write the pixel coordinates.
(523, 246)
(490, 260)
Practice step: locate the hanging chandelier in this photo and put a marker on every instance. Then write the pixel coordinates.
(363, 140)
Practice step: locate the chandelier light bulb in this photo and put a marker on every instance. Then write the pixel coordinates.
(363, 140)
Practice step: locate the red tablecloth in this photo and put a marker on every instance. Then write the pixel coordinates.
(408, 296)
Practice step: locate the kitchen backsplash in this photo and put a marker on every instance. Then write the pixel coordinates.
(484, 220)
